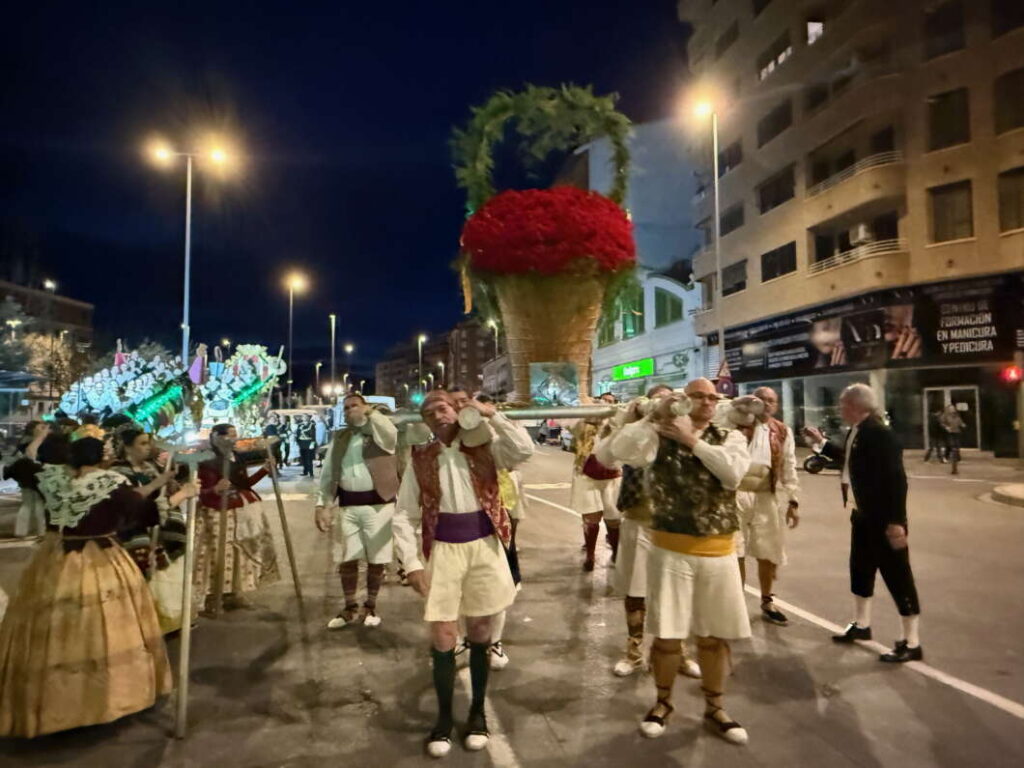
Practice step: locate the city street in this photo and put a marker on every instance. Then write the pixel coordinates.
(269, 690)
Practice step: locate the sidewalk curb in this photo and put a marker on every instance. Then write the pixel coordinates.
(1012, 494)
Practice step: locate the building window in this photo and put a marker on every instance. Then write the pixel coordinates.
(1009, 100)
(729, 158)
(668, 308)
(734, 278)
(1011, 199)
(732, 219)
(951, 212)
(883, 141)
(632, 311)
(760, 5)
(949, 119)
(774, 56)
(726, 39)
(815, 95)
(776, 190)
(707, 231)
(605, 333)
(778, 261)
(1006, 15)
(944, 29)
(815, 29)
(774, 123)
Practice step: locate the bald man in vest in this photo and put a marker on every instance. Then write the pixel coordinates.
(360, 482)
(451, 487)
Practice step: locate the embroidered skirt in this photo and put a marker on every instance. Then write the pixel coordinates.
(250, 560)
(80, 643)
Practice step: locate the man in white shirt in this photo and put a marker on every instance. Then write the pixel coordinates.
(767, 500)
(360, 482)
(452, 489)
(693, 468)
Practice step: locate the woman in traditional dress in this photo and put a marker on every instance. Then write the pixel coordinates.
(163, 563)
(80, 643)
(250, 559)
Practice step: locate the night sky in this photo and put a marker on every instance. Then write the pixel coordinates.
(343, 114)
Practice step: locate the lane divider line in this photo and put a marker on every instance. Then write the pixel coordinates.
(542, 500)
(498, 745)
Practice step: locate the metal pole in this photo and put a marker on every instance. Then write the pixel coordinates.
(291, 312)
(284, 528)
(526, 414)
(334, 324)
(185, 649)
(188, 260)
(419, 348)
(718, 243)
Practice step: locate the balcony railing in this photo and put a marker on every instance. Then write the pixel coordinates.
(865, 251)
(871, 161)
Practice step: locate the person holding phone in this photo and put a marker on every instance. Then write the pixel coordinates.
(872, 462)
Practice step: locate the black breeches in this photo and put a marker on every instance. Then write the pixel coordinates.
(870, 552)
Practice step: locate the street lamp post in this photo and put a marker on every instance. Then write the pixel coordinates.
(316, 372)
(362, 384)
(705, 109)
(164, 155)
(406, 385)
(441, 366)
(334, 328)
(494, 327)
(431, 377)
(349, 349)
(344, 383)
(295, 282)
(419, 348)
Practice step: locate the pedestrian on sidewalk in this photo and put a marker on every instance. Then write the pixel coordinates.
(355, 502)
(954, 426)
(767, 500)
(872, 461)
(451, 486)
(305, 438)
(634, 548)
(692, 469)
(936, 438)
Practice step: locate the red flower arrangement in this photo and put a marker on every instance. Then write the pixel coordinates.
(549, 232)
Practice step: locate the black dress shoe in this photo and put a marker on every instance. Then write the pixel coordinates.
(852, 633)
(901, 653)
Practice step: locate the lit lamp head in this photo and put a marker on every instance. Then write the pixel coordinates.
(349, 349)
(296, 282)
(50, 285)
(161, 153)
(703, 109)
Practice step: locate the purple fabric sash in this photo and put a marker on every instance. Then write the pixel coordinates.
(359, 498)
(463, 528)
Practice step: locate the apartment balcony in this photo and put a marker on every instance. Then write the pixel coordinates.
(704, 321)
(879, 178)
(879, 248)
(866, 267)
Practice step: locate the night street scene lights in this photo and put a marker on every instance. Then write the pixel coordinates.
(420, 341)
(295, 282)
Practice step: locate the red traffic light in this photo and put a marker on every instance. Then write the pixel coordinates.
(1011, 374)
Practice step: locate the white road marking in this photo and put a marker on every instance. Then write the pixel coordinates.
(542, 500)
(498, 745)
(982, 694)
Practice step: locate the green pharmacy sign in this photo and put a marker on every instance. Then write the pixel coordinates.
(634, 370)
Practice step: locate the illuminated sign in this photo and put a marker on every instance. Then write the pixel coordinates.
(634, 370)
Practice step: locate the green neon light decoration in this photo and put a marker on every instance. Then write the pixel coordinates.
(148, 408)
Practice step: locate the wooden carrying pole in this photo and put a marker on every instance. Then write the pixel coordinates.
(284, 525)
(539, 412)
(222, 540)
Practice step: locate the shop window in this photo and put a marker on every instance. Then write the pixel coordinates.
(952, 217)
(774, 123)
(776, 190)
(668, 308)
(774, 56)
(948, 119)
(729, 158)
(944, 29)
(726, 39)
(734, 278)
(1011, 200)
(815, 95)
(1009, 100)
(778, 261)
(1007, 15)
(731, 220)
(760, 5)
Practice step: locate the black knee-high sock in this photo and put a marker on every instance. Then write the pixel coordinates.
(479, 668)
(444, 685)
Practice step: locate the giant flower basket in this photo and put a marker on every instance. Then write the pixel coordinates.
(550, 258)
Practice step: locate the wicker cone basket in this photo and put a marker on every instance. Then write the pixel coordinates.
(549, 318)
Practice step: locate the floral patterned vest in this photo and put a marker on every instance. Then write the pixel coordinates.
(685, 496)
(483, 475)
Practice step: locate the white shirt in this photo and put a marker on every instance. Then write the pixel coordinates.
(355, 475)
(636, 444)
(511, 446)
(844, 476)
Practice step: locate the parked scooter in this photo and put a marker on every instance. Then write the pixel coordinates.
(817, 462)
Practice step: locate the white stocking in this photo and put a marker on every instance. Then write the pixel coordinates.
(863, 606)
(497, 627)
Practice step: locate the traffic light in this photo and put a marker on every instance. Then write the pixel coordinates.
(1011, 374)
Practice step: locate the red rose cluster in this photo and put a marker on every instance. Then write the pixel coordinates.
(549, 231)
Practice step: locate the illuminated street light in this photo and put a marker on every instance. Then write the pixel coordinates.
(295, 282)
(50, 285)
(316, 369)
(419, 346)
(494, 327)
(441, 366)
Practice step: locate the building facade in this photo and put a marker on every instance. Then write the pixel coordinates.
(651, 336)
(871, 185)
(51, 312)
(470, 345)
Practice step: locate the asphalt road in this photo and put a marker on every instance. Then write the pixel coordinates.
(269, 689)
